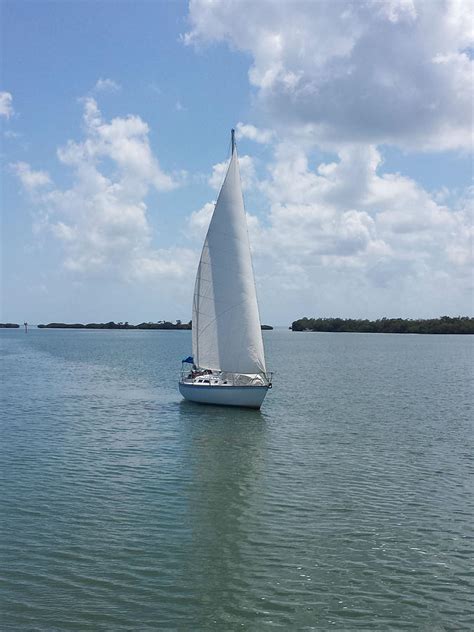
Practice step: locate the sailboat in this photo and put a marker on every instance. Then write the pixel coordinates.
(228, 362)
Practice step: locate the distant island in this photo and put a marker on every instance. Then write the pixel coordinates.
(442, 325)
(162, 324)
(9, 326)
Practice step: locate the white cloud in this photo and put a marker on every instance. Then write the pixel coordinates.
(125, 142)
(11, 134)
(166, 263)
(107, 85)
(6, 105)
(101, 220)
(364, 230)
(253, 133)
(29, 178)
(371, 72)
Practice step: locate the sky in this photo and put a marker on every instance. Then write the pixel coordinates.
(354, 131)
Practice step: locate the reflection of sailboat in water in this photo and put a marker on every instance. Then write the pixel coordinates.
(227, 470)
(228, 357)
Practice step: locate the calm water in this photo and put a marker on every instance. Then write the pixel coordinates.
(345, 504)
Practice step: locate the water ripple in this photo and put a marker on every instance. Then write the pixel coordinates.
(346, 503)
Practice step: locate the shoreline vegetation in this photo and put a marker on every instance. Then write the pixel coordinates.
(442, 325)
(162, 324)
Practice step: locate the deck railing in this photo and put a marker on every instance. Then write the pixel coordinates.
(232, 379)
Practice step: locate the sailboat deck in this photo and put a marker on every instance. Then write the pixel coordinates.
(233, 380)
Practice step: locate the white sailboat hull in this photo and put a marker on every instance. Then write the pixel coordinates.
(244, 396)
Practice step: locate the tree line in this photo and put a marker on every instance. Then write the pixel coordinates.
(162, 324)
(442, 325)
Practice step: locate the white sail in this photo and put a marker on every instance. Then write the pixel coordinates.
(226, 325)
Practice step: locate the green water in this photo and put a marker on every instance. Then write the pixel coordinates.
(346, 503)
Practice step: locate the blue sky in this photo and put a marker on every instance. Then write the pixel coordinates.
(356, 162)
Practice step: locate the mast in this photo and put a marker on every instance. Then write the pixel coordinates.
(232, 136)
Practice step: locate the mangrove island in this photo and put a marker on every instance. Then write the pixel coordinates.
(442, 325)
(161, 324)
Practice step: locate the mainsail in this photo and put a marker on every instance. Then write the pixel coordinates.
(226, 325)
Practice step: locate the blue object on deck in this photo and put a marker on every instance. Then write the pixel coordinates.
(189, 360)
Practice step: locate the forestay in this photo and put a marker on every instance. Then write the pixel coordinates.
(226, 325)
